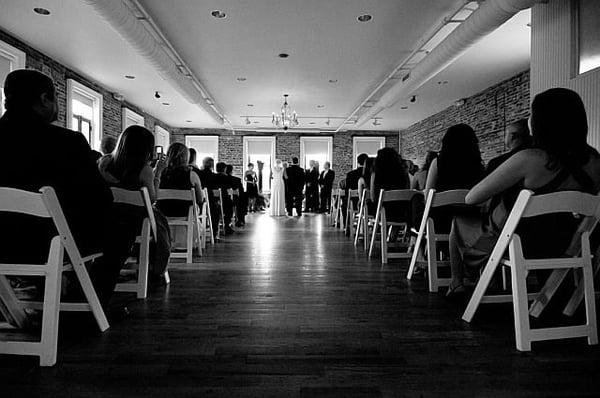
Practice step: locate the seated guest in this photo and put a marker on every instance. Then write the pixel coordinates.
(68, 167)
(412, 169)
(192, 161)
(224, 183)
(364, 182)
(559, 160)
(516, 138)
(420, 179)
(240, 200)
(209, 181)
(326, 184)
(128, 167)
(108, 144)
(178, 175)
(353, 176)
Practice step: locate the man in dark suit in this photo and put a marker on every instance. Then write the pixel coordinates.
(240, 200)
(295, 184)
(223, 182)
(352, 178)
(326, 183)
(63, 161)
(208, 180)
(312, 187)
(516, 138)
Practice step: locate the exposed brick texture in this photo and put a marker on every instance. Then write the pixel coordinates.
(112, 108)
(488, 112)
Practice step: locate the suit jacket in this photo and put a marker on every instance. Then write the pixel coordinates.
(312, 177)
(208, 179)
(59, 158)
(326, 181)
(296, 178)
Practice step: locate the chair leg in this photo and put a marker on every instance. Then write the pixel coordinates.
(91, 296)
(590, 303)
(520, 304)
(50, 315)
(144, 264)
(190, 242)
(432, 268)
(373, 238)
(383, 235)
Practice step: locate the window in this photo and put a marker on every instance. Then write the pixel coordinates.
(205, 146)
(84, 112)
(319, 149)
(130, 118)
(10, 59)
(260, 149)
(161, 138)
(588, 35)
(368, 145)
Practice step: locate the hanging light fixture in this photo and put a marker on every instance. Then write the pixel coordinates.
(287, 118)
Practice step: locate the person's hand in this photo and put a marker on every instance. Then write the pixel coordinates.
(161, 164)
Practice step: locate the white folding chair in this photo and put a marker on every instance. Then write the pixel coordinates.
(190, 223)
(577, 256)
(365, 221)
(427, 232)
(351, 212)
(339, 212)
(206, 225)
(138, 266)
(221, 222)
(45, 205)
(232, 194)
(382, 224)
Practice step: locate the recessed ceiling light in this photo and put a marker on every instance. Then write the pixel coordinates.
(404, 107)
(441, 82)
(333, 80)
(166, 103)
(188, 121)
(256, 122)
(312, 123)
(283, 55)
(320, 106)
(130, 77)
(250, 105)
(218, 14)
(364, 18)
(241, 79)
(41, 11)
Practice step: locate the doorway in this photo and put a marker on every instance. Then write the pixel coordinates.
(260, 151)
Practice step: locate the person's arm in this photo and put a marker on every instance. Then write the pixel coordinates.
(195, 180)
(432, 176)
(147, 180)
(506, 175)
(161, 165)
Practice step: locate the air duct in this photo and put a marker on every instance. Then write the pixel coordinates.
(133, 30)
(489, 16)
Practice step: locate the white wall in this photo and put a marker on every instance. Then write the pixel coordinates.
(552, 54)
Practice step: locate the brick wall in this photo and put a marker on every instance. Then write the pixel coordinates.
(111, 113)
(287, 145)
(488, 112)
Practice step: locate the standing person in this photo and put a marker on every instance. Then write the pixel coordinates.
(63, 161)
(516, 138)
(223, 182)
(312, 187)
(295, 183)
(251, 186)
(209, 181)
(326, 183)
(420, 179)
(277, 207)
(240, 200)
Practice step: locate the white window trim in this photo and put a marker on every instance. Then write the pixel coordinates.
(129, 114)
(328, 140)
(357, 140)
(97, 103)
(17, 58)
(248, 138)
(188, 139)
(162, 132)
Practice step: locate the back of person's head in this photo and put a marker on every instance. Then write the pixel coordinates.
(390, 170)
(327, 165)
(368, 170)
(108, 144)
(250, 165)
(517, 134)
(193, 155)
(178, 155)
(429, 157)
(361, 159)
(459, 161)
(559, 127)
(295, 160)
(30, 90)
(134, 150)
(221, 166)
(229, 169)
(208, 163)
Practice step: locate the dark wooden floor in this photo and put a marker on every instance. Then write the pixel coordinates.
(289, 308)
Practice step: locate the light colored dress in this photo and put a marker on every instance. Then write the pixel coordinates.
(277, 207)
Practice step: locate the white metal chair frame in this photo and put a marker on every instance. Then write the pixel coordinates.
(351, 212)
(205, 219)
(578, 256)
(339, 211)
(45, 205)
(365, 221)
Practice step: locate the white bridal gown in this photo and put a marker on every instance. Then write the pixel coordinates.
(277, 193)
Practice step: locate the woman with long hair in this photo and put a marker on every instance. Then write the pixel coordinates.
(560, 160)
(420, 178)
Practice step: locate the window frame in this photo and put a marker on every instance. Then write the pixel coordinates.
(357, 140)
(73, 86)
(18, 59)
(328, 140)
(132, 115)
(162, 132)
(207, 138)
(575, 43)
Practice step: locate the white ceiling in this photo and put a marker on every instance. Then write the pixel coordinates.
(323, 38)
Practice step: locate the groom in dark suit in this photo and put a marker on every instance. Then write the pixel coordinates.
(326, 183)
(295, 185)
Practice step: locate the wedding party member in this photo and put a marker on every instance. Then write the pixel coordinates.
(516, 138)
(295, 183)
(560, 160)
(67, 165)
(240, 200)
(420, 179)
(312, 187)
(326, 186)
(251, 186)
(128, 167)
(277, 205)
(223, 182)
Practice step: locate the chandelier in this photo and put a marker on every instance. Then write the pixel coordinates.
(287, 118)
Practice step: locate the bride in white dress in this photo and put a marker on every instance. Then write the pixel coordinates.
(277, 207)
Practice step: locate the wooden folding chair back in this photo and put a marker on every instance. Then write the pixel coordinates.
(232, 194)
(190, 223)
(339, 210)
(206, 225)
(577, 256)
(427, 231)
(351, 211)
(45, 205)
(381, 223)
(217, 193)
(364, 220)
(139, 266)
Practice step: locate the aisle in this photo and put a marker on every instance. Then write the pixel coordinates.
(288, 307)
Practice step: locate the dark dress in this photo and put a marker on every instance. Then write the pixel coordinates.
(251, 186)
(175, 178)
(312, 189)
